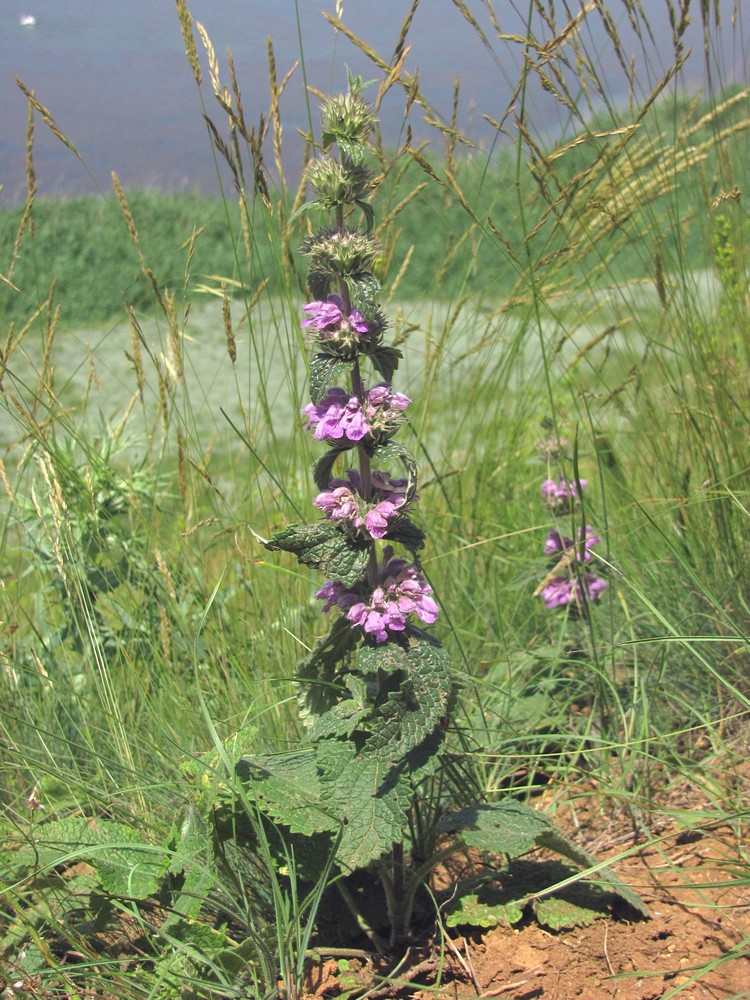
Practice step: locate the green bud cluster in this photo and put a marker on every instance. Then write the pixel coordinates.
(338, 184)
(348, 121)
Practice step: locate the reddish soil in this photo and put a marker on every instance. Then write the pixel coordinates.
(696, 944)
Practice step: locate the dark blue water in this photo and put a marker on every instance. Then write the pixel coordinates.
(113, 74)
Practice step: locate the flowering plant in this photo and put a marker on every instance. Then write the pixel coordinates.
(374, 793)
(568, 583)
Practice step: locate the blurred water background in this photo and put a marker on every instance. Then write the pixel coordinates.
(113, 74)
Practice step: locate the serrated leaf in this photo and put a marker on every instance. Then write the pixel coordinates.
(558, 914)
(371, 799)
(327, 371)
(326, 547)
(412, 713)
(126, 864)
(406, 533)
(507, 827)
(287, 789)
(341, 720)
(473, 912)
(323, 468)
(386, 454)
(364, 292)
(316, 691)
(511, 828)
(385, 361)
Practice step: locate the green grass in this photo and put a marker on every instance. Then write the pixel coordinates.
(591, 296)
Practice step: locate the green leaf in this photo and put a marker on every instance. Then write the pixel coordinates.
(386, 454)
(385, 360)
(326, 547)
(126, 863)
(287, 789)
(511, 828)
(323, 468)
(558, 914)
(471, 911)
(507, 827)
(369, 214)
(553, 840)
(316, 690)
(502, 898)
(343, 718)
(406, 533)
(327, 371)
(369, 796)
(364, 292)
(414, 711)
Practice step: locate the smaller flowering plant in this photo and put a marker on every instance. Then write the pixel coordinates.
(568, 584)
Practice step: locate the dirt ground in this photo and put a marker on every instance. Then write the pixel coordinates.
(696, 944)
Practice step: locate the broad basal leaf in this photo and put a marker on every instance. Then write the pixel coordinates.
(287, 789)
(508, 827)
(370, 798)
(326, 547)
(126, 863)
(511, 828)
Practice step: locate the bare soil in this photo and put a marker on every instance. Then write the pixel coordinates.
(689, 871)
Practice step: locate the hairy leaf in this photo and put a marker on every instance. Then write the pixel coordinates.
(511, 828)
(287, 789)
(371, 799)
(323, 468)
(472, 911)
(386, 454)
(507, 827)
(558, 914)
(412, 713)
(406, 533)
(385, 361)
(327, 371)
(553, 840)
(364, 292)
(126, 863)
(326, 547)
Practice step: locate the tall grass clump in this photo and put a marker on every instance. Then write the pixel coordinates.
(200, 767)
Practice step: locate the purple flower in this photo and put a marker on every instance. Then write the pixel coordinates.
(578, 590)
(558, 544)
(401, 591)
(339, 415)
(328, 321)
(560, 496)
(343, 501)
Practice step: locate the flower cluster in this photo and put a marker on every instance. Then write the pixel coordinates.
(568, 583)
(341, 415)
(401, 591)
(338, 331)
(560, 496)
(343, 501)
